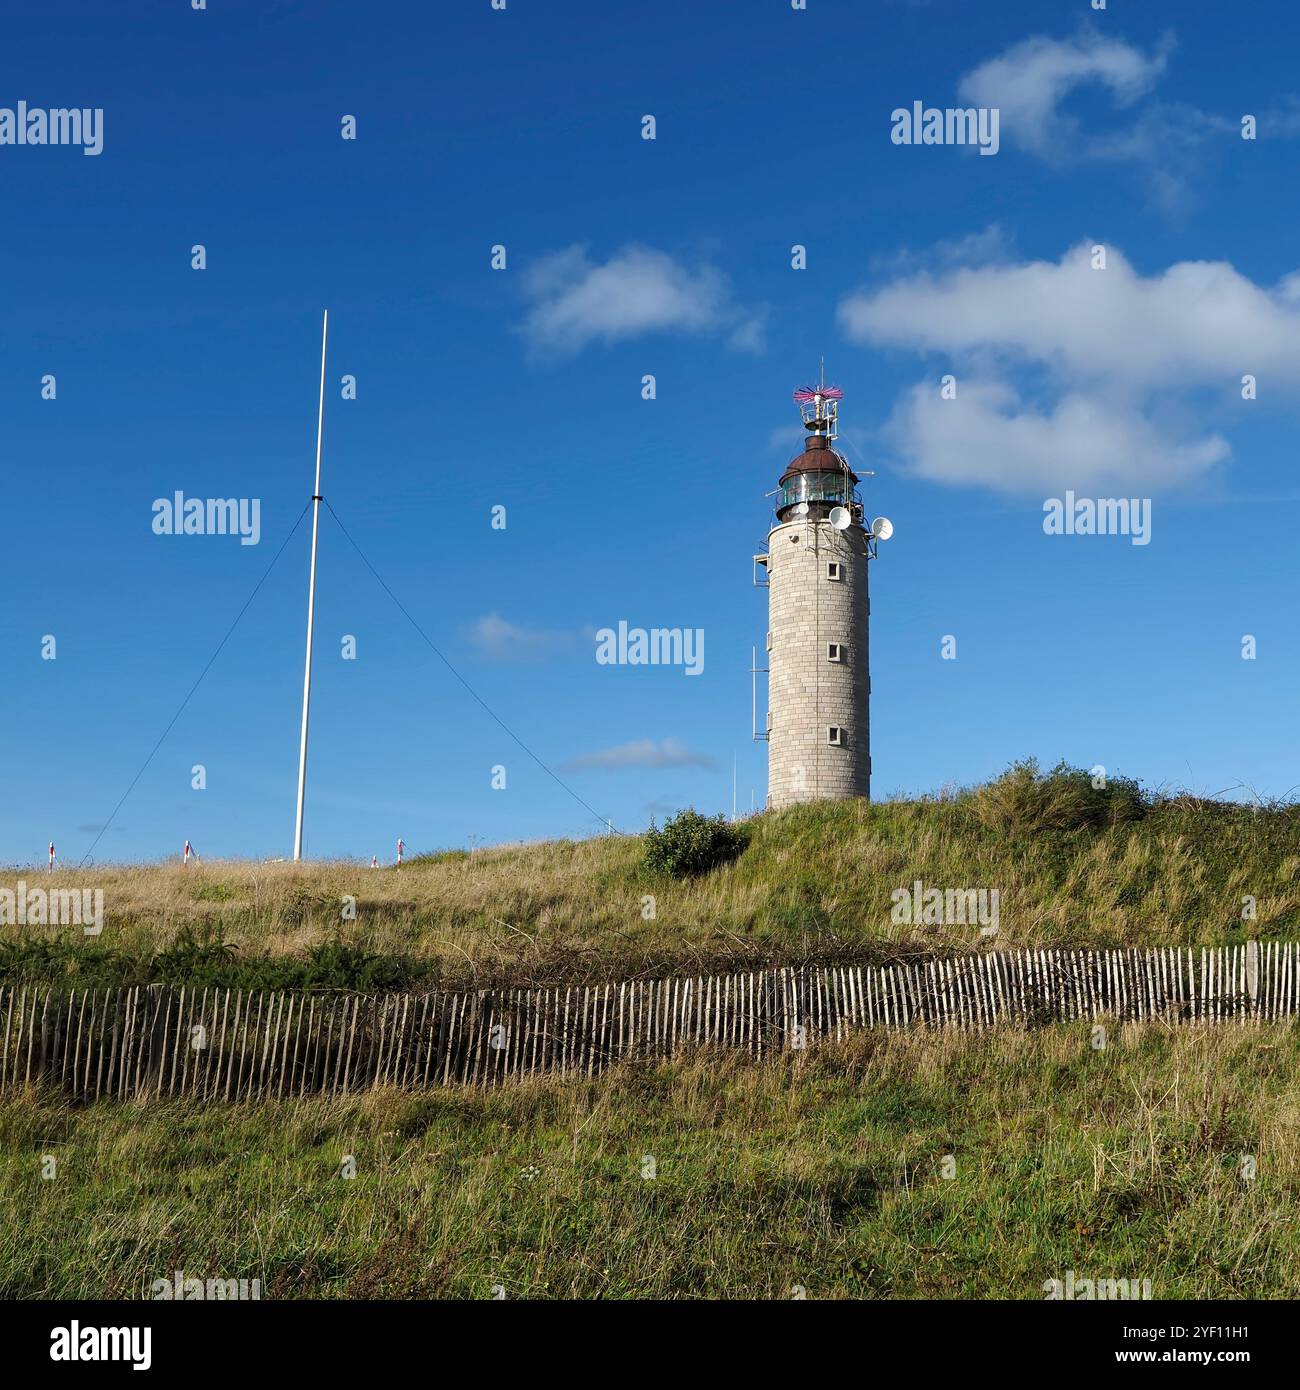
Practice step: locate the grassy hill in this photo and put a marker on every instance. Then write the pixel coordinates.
(812, 882)
(896, 1164)
(823, 1170)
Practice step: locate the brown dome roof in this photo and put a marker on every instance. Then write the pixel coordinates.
(817, 455)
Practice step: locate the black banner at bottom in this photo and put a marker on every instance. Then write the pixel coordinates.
(206, 1339)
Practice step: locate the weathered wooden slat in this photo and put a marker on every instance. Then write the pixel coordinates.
(137, 1041)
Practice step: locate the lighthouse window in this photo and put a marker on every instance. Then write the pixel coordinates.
(835, 736)
(833, 570)
(834, 651)
(828, 486)
(769, 641)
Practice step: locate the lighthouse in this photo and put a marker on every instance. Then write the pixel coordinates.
(818, 726)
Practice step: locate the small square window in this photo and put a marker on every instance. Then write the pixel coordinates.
(834, 570)
(835, 737)
(834, 651)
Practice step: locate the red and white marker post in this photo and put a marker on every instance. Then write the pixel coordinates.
(186, 855)
(50, 870)
(401, 846)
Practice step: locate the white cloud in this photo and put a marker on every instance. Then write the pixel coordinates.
(638, 290)
(1030, 80)
(1281, 120)
(645, 752)
(498, 640)
(975, 248)
(788, 439)
(1169, 143)
(750, 334)
(989, 437)
(1196, 322)
(1124, 362)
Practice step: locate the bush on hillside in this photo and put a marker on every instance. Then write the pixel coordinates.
(1024, 800)
(691, 844)
(194, 955)
(438, 856)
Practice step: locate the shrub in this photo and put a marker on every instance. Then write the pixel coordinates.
(193, 957)
(1024, 800)
(338, 965)
(692, 844)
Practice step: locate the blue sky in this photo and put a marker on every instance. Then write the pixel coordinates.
(522, 388)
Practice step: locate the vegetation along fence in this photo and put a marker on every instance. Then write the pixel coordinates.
(227, 1044)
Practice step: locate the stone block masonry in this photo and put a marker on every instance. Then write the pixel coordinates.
(818, 664)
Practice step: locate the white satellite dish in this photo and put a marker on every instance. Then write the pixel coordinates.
(840, 518)
(801, 509)
(882, 528)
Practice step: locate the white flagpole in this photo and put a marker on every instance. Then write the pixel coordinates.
(311, 601)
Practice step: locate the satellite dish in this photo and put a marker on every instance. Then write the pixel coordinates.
(840, 518)
(801, 509)
(882, 528)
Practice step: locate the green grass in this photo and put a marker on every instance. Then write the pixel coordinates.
(821, 1170)
(1072, 869)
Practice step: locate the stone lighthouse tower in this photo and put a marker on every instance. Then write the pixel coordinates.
(819, 682)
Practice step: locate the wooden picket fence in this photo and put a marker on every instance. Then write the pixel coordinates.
(226, 1044)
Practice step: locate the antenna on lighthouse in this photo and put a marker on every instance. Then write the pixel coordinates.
(311, 600)
(819, 406)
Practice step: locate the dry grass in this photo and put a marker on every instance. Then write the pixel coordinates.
(815, 881)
